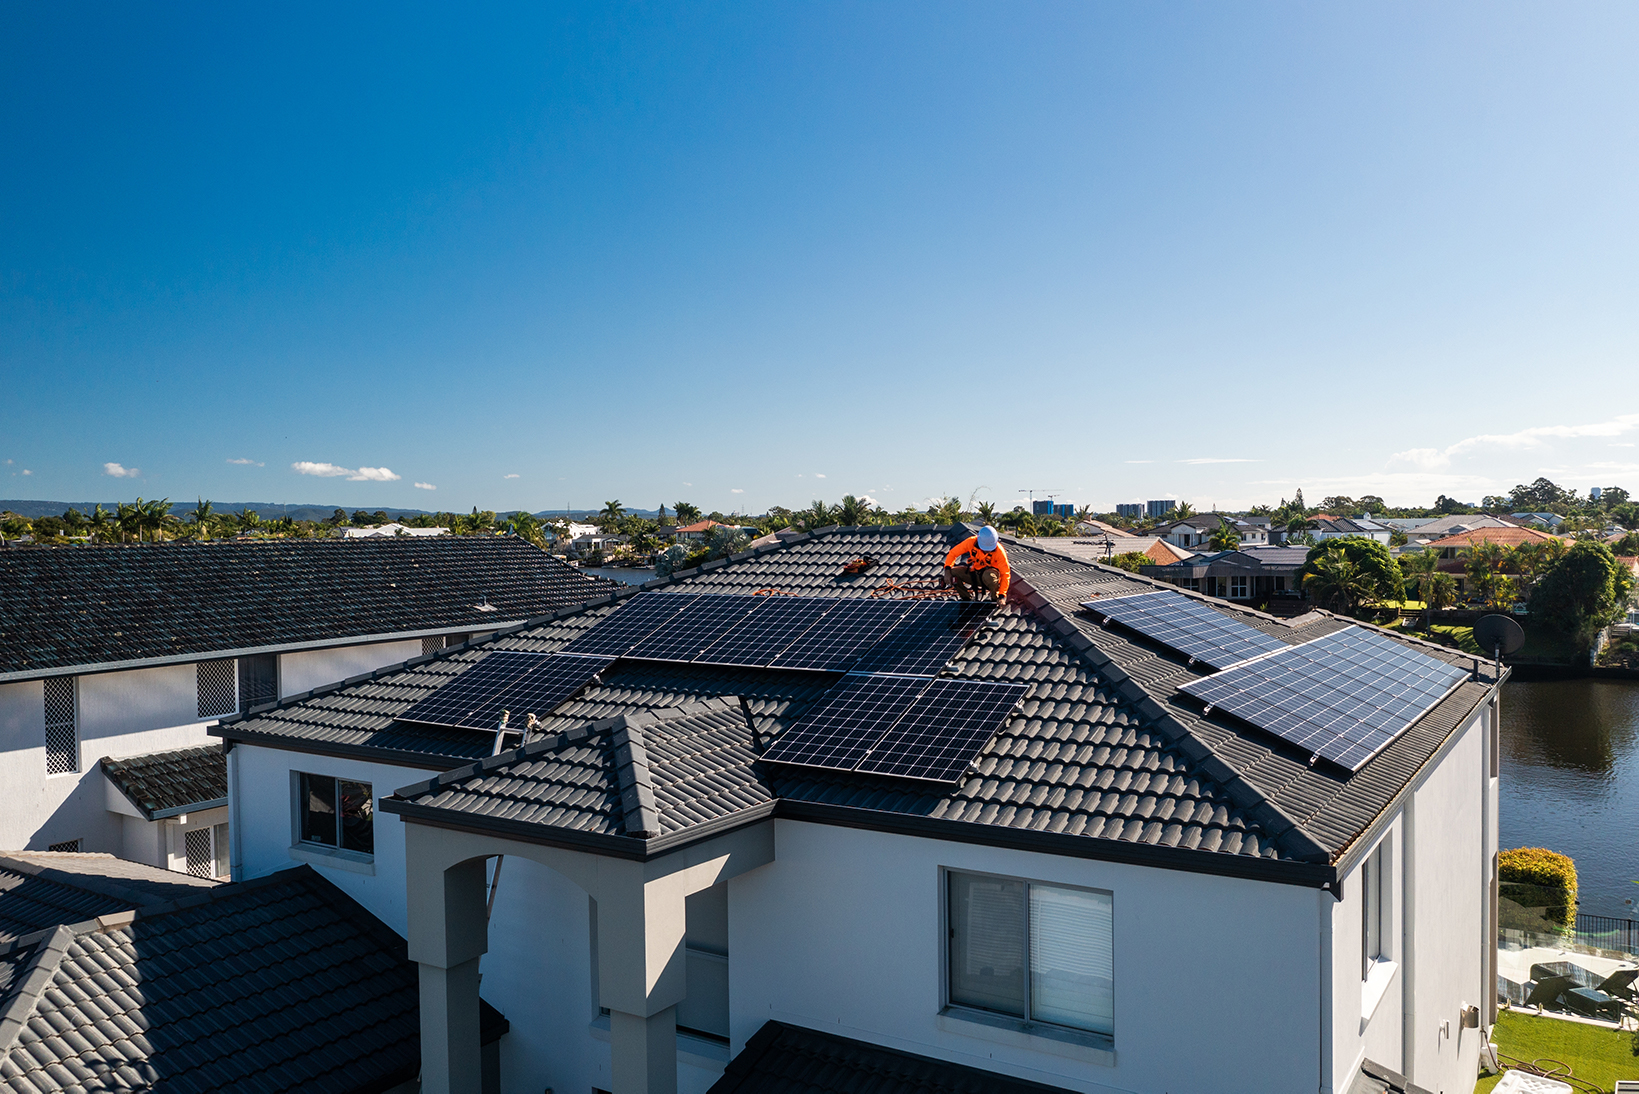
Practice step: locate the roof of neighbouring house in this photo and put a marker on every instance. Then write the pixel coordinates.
(279, 984)
(786, 1059)
(111, 606)
(165, 784)
(1107, 759)
(705, 526)
(1508, 537)
(43, 889)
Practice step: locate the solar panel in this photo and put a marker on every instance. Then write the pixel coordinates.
(837, 638)
(1343, 697)
(760, 636)
(846, 721)
(685, 635)
(944, 730)
(928, 637)
(1188, 626)
(522, 683)
(630, 624)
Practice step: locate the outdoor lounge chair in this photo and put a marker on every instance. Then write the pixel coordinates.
(1610, 1000)
(1620, 984)
(1546, 992)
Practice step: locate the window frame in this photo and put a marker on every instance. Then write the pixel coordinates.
(305, 849)
(1103, 1043)
(77, 764)
(1240, 588)
(1376, 909)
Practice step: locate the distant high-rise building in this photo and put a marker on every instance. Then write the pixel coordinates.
(1159, 508)
(1129, 509)
(1064, 511)
(1042, 508)
(1594, 492)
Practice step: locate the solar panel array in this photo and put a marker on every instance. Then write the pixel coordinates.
(509, 680)
(823, 634)
(1343, 697)
(1188, 626)
(903, 726)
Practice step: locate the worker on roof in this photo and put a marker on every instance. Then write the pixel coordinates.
(978, 562)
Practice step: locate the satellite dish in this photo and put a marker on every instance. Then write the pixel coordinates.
(1494, 632)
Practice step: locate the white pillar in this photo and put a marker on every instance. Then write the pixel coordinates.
(450, 1061)
(643, 1052)
(448, 934)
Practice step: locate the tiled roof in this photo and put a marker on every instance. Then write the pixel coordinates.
(73, 606)
(284, 983)
(164, 784)
(43, 889)
(1106, 759)
(1508, 537)
(786, 1059)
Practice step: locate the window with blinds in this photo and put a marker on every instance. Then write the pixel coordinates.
(1037, 952)
(62, 732)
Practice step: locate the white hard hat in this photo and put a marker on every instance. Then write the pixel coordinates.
(986, 538)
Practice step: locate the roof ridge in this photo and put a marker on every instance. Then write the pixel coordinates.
(41, 967)
(632, 775)
(1280, 826)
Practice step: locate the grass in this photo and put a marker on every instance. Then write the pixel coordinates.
(1595, 1054)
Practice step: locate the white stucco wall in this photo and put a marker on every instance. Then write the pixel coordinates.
(119, 714)
(1440, 851)
(1216, 979)
(305, 670)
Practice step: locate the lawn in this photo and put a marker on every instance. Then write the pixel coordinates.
(1595, 1054)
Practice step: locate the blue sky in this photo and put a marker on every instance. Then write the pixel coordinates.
(747, 255)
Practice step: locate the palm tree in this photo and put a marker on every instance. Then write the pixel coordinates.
(1423, 566)
(986, 512)
(1442, 592)
(101, 524)
(1084, 514)
(154, 516)
(1337, 582)
(948, 513)
(1224, 537)
(817, 515)
(1184, 511)
(1299, 525)
(853, 512)
(202, 517)
(612, 512)
(686, 513)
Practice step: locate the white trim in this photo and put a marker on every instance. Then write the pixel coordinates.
(333, 858)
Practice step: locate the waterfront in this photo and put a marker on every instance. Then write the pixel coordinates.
(1570, 782)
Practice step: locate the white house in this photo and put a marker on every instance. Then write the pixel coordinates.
(1127, 889)
(122, 651)
(1196, 531)
(377, 531)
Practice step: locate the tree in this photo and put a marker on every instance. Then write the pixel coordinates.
(853, 511)
(1224, 537)
(1398, 538)
(1627, 545)
(986, 512)
(1541, 496)
(1371, 561)
(202, 517)
(1442, 592)
(817, 515)
(337, 519)
(101, 524)
(612, 512)
(1450, 506)
(1423, 567)
(1584, 592)
(686, 514)
(1131, 561)
(1335, 581)
(1184, 511)
(1339, 505)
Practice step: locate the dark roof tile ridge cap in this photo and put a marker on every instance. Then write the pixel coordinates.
(41, 967)
(1247, 796)
(100, 885)
(632, 777)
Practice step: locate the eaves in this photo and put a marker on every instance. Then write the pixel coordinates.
(401, 757)
(94, 668)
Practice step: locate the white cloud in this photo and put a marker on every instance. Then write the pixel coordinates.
(1432, 458)
(425, 486)
(688, 484)
(1137, 461)
(26, 471)
(1614, 444)
(118, 472)
(332, 471)
(1219, 459)
(509, 476)
(247, 463)
(817, 475)
(736, 491)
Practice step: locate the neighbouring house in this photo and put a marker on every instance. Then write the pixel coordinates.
(1425, 531)
(1003, 849)
(1550, 521)
(1196, 531)
(375, 531)
(1454, 549)
(120, 976)
(597, 541)
(1256, 575)
(118, 652)
(700, 530)
(1328, 527)
(1100, 547)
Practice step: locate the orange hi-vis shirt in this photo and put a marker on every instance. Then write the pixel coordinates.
(967, 553)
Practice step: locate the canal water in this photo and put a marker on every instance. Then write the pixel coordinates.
(620, 574)
(1570, 782)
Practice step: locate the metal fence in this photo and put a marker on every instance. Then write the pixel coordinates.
(1607, 933)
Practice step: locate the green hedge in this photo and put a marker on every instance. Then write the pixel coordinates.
(1535, 877)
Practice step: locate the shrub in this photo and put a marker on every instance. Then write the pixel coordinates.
(671, 560)
(1132, 561)
(1535, 877)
